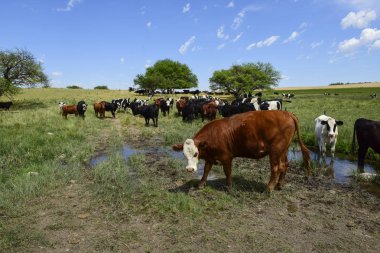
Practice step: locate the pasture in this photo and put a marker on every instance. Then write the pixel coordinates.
(57, 195)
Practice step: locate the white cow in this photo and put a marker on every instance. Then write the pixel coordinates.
(326, 131)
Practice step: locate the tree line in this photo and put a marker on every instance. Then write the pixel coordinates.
(19, 68)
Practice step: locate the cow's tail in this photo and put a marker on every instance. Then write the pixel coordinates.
(305, 151)
(353, 148)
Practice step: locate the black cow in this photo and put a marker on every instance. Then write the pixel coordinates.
(6, 105)
(147, 111)
(110, 107)
(368, 134)
(188, 111)
(165, 106)
(81, 108)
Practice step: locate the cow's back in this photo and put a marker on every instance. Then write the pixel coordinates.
(250, 134)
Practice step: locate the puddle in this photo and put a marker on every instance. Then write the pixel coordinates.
(342, 169)
(97, 159)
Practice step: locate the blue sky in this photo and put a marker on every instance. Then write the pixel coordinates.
(109, 42)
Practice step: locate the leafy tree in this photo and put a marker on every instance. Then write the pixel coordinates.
(19, 69)
(167, 74)
(245, 78)
(73, 87)
(101, 87)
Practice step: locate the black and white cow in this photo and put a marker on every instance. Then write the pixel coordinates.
(367, 133)
(122, 103)
(373, 95)
(326, 131)
(81, 108)
(288, 95)
(165, 106)
(147, 111)
(275, 104)
(6, 105)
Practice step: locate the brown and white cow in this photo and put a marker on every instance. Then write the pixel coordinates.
(253, 134)
(69, 109)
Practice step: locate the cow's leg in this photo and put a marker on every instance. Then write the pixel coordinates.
(275, 162)
(284, 165)
(156, 124)
(227, 171)
(332, 144)
(361, 157)
(206, 170)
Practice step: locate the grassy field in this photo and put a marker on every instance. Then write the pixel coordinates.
(52, 200)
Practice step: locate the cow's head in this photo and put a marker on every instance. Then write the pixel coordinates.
(191, 152)
(84, 107)
(332, 127)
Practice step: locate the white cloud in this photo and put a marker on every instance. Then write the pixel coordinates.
(263, 43)
(316, 44)
(56, 73)
(220, 33)
(240, 17)
(368, 37)
(359, 19)
(231, 4)
(292, 37)
(184, 47)
(70, 5)
(149, 24)
(122, 60)
(237, 37)
(221, 46)
(375, 45)
(186, 8)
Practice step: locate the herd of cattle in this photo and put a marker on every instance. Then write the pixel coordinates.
(241, 133)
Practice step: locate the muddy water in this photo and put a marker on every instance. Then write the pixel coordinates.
(341, 169)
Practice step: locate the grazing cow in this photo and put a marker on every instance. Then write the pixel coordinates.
(81, 108)
(368, 134)
(6, 105)
(109, 107)
(326, 131)
(250, 135)
(373, 95)
(275, 104)
(60, 105)
(99, 109)
(288, 95)
(69, 109)
(147, 111)
(327, 93)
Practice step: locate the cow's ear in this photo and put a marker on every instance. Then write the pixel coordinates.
(178, 147)
(202, 145)
(339, 123)
(323, 122)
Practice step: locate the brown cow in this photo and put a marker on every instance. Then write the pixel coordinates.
(99, 109)
(69, 109)
(180, 104)
(209, 111)
(251, 135)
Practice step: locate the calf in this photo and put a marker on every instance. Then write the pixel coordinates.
(165, 106)
(326, 131)
(147, 111)
(99, 109)
(6, 105)
(109, 107)
(209, 111)
(69, 109)
(271, 105)
(81, 108)
(368, 134)
(250, 135)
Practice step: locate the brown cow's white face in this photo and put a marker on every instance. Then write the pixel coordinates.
(191, 153)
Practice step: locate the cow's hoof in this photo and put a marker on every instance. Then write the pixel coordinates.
(201, 185)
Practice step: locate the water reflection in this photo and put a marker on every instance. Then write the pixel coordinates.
(340, 169)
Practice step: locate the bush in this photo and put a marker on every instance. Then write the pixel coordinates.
(73, 87)
(101, 87)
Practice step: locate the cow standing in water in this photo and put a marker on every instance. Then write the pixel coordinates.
(326, 131)
(251, 135)
(368, 134)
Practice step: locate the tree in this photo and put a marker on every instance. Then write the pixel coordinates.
(19, 69)
(167, 74)
(245, 78)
